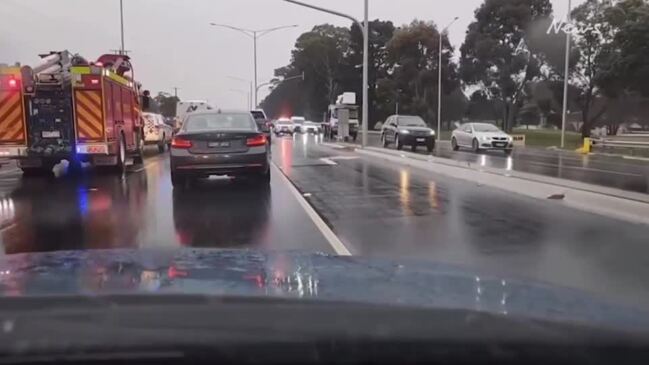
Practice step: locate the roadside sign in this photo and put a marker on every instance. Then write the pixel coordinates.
(519, 140)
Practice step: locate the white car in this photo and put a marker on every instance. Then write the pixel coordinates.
(156, 131)
(481, 136)
(284, 126)
(310, 127)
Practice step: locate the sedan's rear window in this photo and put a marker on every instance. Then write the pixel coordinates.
(221, 121)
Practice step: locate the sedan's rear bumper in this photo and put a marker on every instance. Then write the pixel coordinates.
(200, 165)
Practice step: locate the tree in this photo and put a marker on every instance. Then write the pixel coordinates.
(413, 52)
(625, 66)
(166, 104)
(495, 56)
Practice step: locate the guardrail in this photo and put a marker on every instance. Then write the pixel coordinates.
(622, 142)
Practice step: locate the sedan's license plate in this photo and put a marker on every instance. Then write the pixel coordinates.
(421, 139)
(500, 144)
(51, 134)
(218, 144)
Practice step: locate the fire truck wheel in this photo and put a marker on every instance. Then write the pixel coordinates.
(138, 159)
(36, 172)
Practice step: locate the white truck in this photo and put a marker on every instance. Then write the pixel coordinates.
(345, 108)
(189, 106)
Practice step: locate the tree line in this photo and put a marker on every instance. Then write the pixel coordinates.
(510, 68)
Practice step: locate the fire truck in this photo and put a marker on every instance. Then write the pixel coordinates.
(67, 108)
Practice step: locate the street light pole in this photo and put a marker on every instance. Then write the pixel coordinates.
(365, 29)
(439, 82)
(566, 77)
(255, 35)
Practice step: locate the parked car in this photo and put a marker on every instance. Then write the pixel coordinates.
(156, 131)
(298, 122)
(310, 127)
(407, 130)
(220, 143)
(481, 136)
(283, 126)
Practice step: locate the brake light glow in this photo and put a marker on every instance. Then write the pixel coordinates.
(256, 141)
(13, 83)
(181, 143)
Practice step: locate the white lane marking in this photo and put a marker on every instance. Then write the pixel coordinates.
(344, 158)
(147, 165)
(583, 168)
(12, 225)
(328, 161)
(334, 241)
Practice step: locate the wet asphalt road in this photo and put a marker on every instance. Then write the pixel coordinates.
(386, 210)
(376, 209)
(614, 172)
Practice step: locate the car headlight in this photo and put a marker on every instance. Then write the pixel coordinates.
(485, 138)
(432, 132)
(405, 131)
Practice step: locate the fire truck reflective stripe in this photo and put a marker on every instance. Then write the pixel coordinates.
(10, 102)
(7, 120)
(89, 123)
(15, 132)
(5, 96)
(89, 115)
(88, 100)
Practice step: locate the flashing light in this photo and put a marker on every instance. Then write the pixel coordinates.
(13, 83)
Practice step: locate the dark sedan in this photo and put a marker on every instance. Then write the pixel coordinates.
(407, 130)
(220, 143)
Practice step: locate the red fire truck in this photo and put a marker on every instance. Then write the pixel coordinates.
(67, 108)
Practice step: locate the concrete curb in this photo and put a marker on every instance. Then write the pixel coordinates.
(618, 206)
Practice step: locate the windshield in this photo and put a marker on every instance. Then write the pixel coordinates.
(411, 122)
(485, 128)
(485, 157)
(221, 121)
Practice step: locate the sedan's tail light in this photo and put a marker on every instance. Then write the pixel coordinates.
(256, 141)
(181, 143)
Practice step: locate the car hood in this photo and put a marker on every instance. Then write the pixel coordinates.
(304, 276)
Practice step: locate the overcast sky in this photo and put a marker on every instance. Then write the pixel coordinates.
(173, 44)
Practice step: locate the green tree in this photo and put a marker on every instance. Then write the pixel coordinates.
(166, 104)
(495, 56)
(413, 52)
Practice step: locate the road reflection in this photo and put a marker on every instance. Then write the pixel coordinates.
(221, 214)
(92, 212)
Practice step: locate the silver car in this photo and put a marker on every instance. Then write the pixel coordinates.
(220, 143)
(481, 136)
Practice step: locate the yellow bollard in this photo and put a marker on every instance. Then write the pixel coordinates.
(587, 146)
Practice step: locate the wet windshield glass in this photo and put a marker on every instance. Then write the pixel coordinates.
(485, 128)
(411, 122)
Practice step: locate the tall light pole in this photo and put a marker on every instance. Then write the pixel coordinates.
(255, 35)
(439, 82)
(566, 78)
(121, 17)
(365, 27)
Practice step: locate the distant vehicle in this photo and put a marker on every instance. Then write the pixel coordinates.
(219, 143)
(298, 122)
(481, 136)
(262, 121)
(185, 107)
(407, 130)
(156, 131)
(310, 127)
(345, 101)
(283, 126)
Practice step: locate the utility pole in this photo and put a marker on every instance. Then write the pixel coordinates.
(176, 91)
(121, 16)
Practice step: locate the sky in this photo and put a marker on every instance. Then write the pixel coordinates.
(173, 45)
